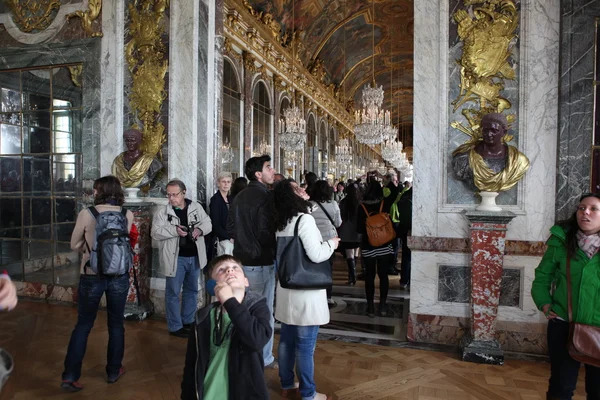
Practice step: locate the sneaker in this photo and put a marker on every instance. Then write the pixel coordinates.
(71, 386)
(322, 396)
(116, 378)
(183, 333)
(273, 365)
(331, 303)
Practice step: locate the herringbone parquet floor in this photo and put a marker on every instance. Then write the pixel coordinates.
(37, 335)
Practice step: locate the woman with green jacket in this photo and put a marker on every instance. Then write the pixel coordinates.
(576, 239)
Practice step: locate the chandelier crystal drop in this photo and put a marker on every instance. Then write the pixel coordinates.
(293, 130)
(391, 151)
(372, 123)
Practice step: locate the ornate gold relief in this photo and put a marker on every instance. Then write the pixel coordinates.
(33, 15)
(249, 63)
(317, 69)
(88, 17)
(145, 58)
(75, 72)
(278, 83)
(230, 51)
(488, 41)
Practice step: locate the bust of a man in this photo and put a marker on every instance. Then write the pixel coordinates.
(489, 163)
(133, 167)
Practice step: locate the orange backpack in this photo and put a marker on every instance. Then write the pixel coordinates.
(379, 227)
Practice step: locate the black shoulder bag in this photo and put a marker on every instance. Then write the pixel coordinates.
(297, 271)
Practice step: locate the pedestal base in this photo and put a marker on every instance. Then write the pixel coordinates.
(133, 312)
(481, 352)
(131, 195)
(488, 202)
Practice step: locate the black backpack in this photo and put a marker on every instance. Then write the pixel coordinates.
(111, 254)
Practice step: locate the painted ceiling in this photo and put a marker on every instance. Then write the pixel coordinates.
(355, 40)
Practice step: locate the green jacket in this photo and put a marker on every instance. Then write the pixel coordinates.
(585, 279)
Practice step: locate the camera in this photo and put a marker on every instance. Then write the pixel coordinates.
(189, 229)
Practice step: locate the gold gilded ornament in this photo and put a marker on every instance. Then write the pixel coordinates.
(33, 15)
(145, 58)
(488, 40)
(88, 17)
(75, 72)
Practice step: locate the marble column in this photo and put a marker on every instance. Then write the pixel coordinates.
(248, 102)
(112, 70)
(488, 233)
(139, 306)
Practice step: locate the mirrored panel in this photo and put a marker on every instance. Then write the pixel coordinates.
(65, 170)
(10, 257)
(36, 89)
(10, 139)
(37, 176)
(66, 126)
(65, 210)
(66, 87)
(10, 218)
(10, 176)
(10, 94)
(37, 211)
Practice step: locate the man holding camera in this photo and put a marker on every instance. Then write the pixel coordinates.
(178, 228)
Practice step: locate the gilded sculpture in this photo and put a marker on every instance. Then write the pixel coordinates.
(88, 17)
(33, 15)
(145, 58)
(133, 167)
(488, 39)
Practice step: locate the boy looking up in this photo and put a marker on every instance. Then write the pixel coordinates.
(224, 353)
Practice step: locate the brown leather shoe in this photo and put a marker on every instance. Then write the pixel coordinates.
(290, 393)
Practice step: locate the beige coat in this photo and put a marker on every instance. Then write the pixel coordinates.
(164, 232)
(305, 307)
(85, 231)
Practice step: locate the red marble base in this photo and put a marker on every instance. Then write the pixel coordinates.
(488, 232)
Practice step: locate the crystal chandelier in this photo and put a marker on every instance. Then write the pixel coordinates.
(391, 150)
(292, 135)
(372, 123)
(343, 152)
(263, 148)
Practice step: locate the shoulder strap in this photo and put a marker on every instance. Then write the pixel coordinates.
(296, 227)
(124, 211)
(569, 295)
(364, 208)
(94, 212)
(381, 207)
(326, 213)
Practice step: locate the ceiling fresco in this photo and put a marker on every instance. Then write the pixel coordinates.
(332, 30)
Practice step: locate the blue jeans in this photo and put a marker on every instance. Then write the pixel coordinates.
(297, 347)
(564, 369)
(262, 281)
(187, 275)
(91, 289)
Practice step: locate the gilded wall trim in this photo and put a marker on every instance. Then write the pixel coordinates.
(88, 17)
(249, 31)
(33, 15)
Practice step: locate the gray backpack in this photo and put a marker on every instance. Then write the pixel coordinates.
(112, 254)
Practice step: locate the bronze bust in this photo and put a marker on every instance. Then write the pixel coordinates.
(133, 167)
(487, 161)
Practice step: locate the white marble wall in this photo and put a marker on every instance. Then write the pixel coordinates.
(424, 287)
(183, 93)
(111, 83)
(537, 118)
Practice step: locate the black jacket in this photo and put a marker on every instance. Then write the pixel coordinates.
(251, 225)
(218, 216)
(251, 332)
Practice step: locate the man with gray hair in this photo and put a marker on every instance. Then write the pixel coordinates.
(177, 227)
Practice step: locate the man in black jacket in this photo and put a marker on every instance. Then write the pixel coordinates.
(251, 227)
(224, 352)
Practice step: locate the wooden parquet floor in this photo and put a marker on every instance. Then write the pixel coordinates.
(37, 334)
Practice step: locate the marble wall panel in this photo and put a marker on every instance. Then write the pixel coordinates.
(454, 285)
(521, 337)
(576, 102)
(87, 52)
(429, 286)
